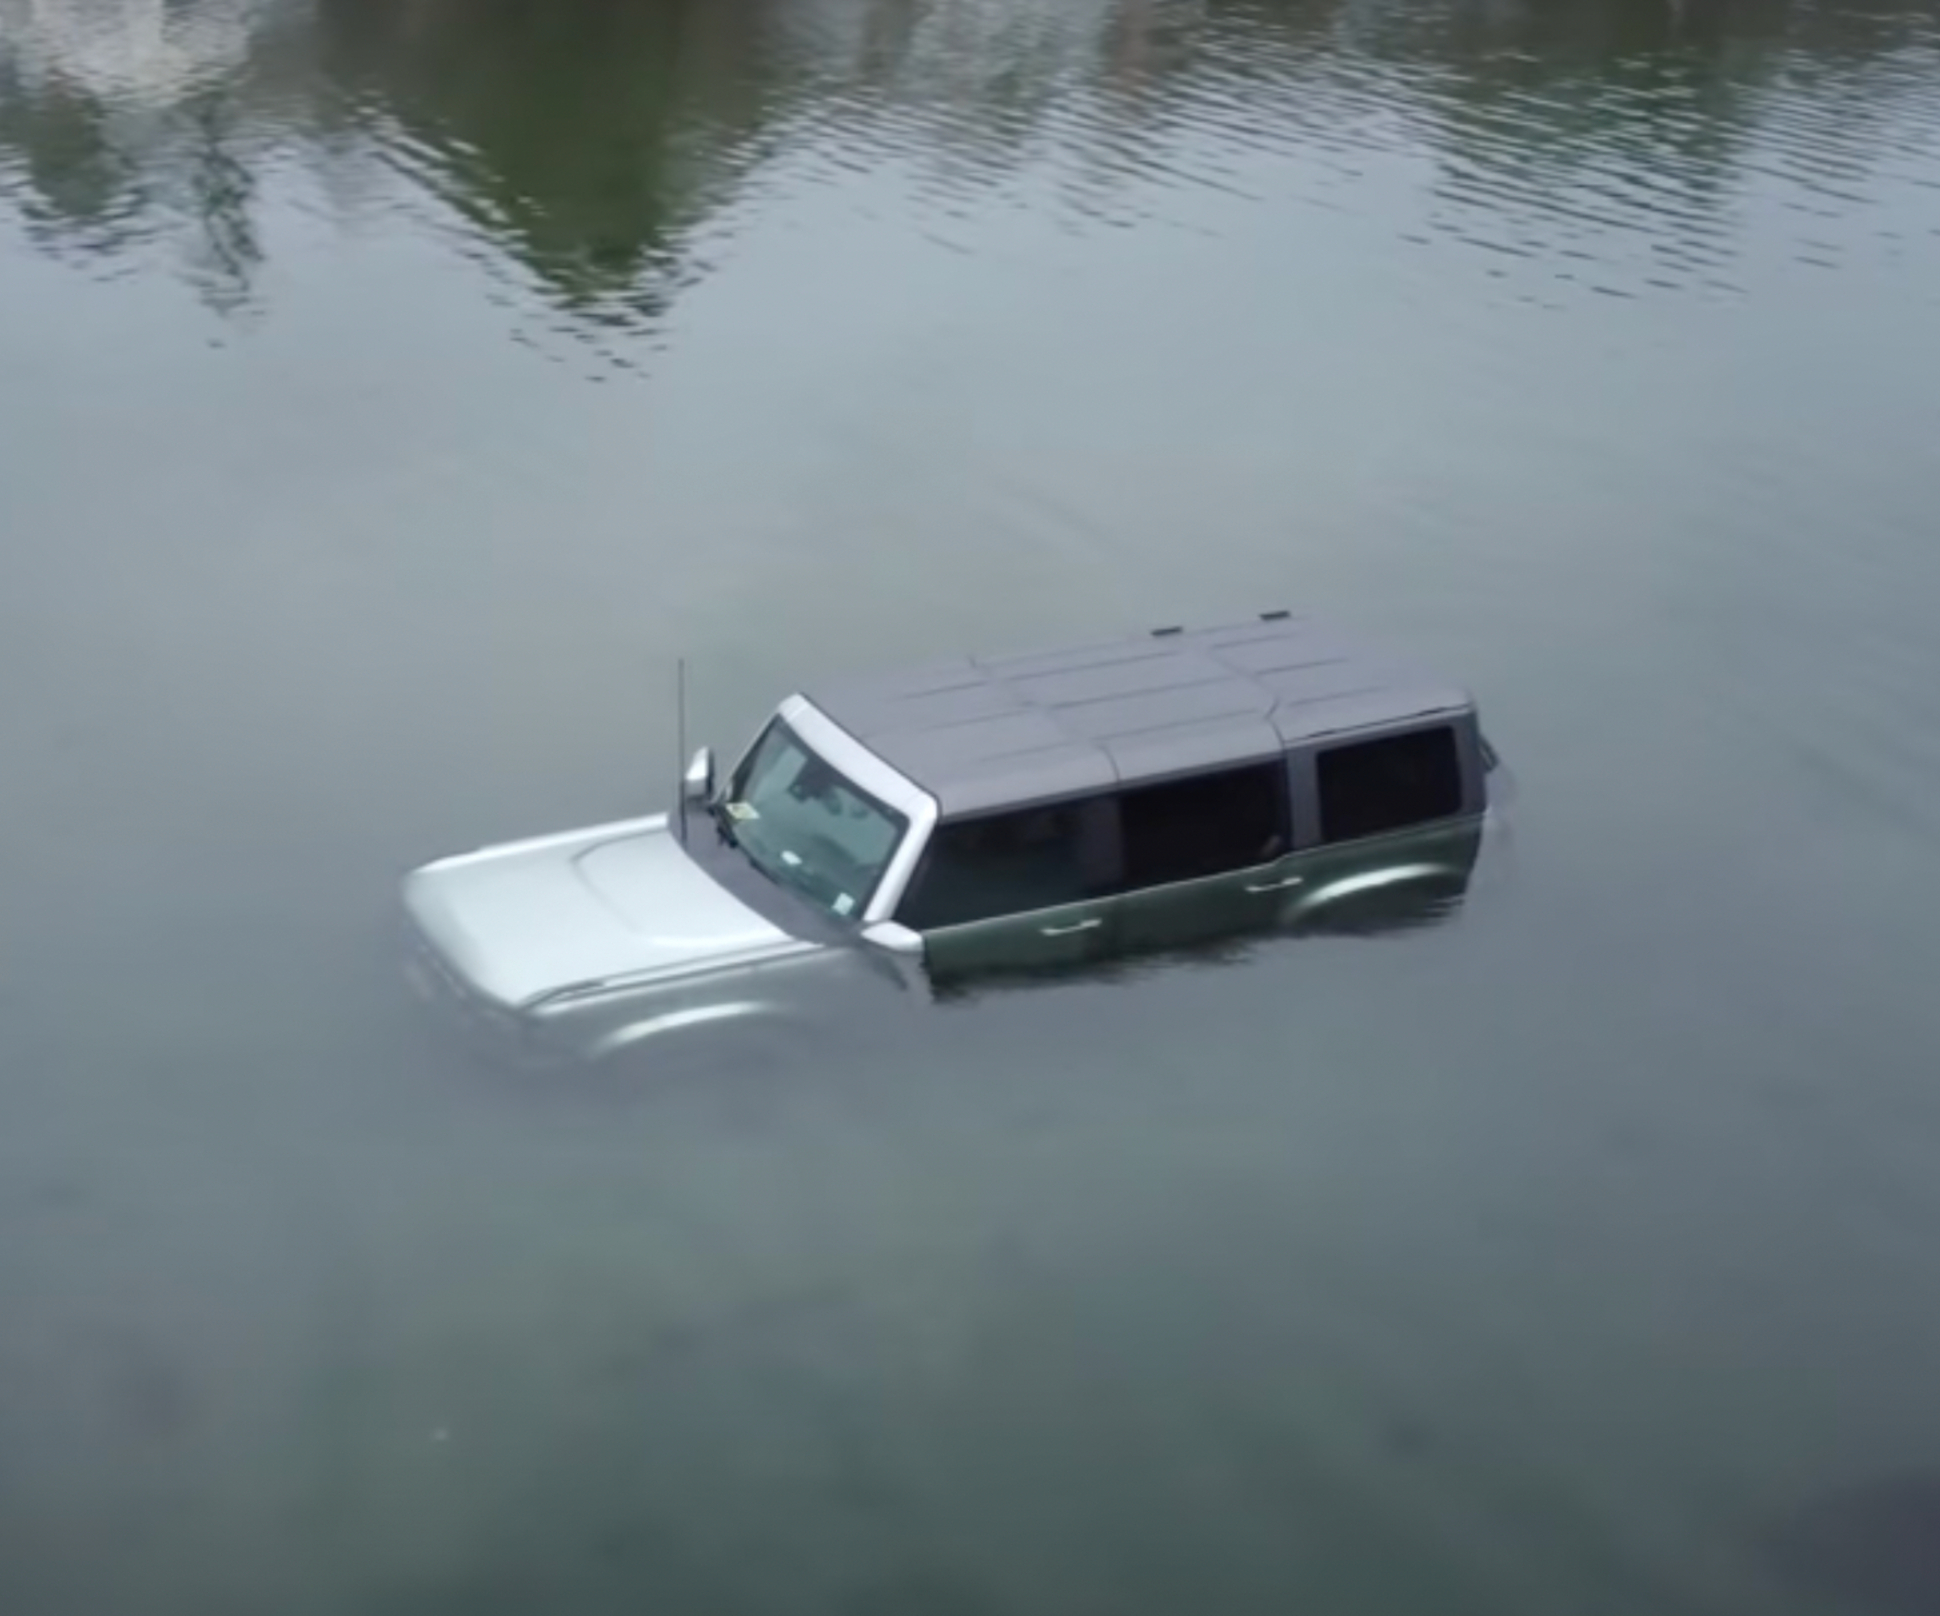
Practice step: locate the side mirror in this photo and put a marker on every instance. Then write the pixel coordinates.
(697, 784)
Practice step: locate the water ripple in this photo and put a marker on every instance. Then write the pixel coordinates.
(1626, 152)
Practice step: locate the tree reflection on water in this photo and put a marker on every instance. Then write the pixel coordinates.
(588, 144)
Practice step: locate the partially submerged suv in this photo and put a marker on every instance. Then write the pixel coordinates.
(980, 815)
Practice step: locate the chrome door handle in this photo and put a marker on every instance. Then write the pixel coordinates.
(1066, 931)
(1280, 885)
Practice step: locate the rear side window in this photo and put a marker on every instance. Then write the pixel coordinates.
(1389, 784)
(1005, 864)
(1205, 825)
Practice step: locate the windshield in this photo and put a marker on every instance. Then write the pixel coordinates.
(807, 827)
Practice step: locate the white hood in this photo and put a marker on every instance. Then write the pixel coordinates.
(532, 918)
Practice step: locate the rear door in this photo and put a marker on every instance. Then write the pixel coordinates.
(1026, 890)
(1398, 829)
(1205, 855)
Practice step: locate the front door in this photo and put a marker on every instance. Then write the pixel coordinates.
(1045, 941)
(1026, 890)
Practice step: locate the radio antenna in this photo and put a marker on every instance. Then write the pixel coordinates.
(680, 740)
(680, 710)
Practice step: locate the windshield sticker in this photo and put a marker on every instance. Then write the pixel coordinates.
(792, 860)
(742, 810)
(843, 903)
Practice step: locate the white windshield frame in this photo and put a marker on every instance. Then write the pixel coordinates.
(846, 755)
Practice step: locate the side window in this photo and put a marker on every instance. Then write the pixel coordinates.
(1205, 825)
(1006, 864)
(1389, 784)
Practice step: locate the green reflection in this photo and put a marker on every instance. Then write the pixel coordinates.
(584, 139)
(589, 141)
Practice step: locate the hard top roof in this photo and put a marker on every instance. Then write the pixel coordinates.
(979, 733)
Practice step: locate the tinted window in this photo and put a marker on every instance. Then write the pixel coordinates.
(1205, 825)
(1389, 784)
(1004, 864)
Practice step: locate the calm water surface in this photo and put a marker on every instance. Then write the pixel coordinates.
(391, 389)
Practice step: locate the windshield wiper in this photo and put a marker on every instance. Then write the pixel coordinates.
(724, 827)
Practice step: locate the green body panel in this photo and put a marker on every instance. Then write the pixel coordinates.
(1385, 882)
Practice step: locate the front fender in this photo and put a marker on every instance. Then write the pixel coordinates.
(681, 1024)
(803, 996)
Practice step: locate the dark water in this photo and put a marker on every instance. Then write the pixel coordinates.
(390, 389)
